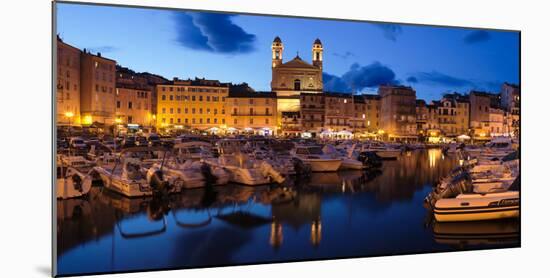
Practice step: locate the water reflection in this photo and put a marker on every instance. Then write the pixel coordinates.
(348, 213)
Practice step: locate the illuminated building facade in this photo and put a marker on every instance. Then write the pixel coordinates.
(252, 112)
(97, 94)
(290, 79)
(68, 84)
(398, 112)
(192, 104)
(133, 105)
(312, 112)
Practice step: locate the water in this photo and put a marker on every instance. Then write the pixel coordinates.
(333, 215)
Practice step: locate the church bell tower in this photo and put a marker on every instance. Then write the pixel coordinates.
(317, 52)
(277, 52)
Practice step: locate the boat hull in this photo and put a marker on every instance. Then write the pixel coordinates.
(477, 207)
(324, 165)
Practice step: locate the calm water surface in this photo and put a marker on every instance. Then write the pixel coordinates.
(343, 214)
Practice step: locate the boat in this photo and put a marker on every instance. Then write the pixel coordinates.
(462, 199)
(243, 168)
(71, 183)
(318, 161)
(128, 177)
(383, 150)
(349, 161)
(197, 165)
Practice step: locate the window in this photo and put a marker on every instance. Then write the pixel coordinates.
(171, 110)
(297, 85)
(207, 110)
(171, 120)
(200, 98)
(130, 119)
(193, 110)
(251, 121)
(186, 120)
(163, 110)
(163, 120)
(171, 97)
(267, 101)
(193, 120)
(223, 121)
(118, 104)
(266, 121)
(186, 110)
(215, 120)
(267, 111)
(96, 87)
(207, 98)
(200, 121)
(193, 98)
(171, 89)
(251, 101)
(163, 96)
(207, 120)
(129, 105)
(179, 110)
(179, 120)
(223, 111)
(251, 111)
(215, 111)
(200, 110)
(234, 111)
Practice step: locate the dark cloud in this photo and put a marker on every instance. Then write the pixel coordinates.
(412, 79)
(390, 31)
(454, 83)
(102, 49)
(360, 77)
(212, 32)
(437, 78)
(344, 55)
(477, 36)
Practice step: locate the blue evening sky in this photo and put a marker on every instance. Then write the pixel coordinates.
(358, 56)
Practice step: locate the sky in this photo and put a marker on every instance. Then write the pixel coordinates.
(358, 56)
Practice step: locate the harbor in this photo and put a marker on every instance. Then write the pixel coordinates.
(383, 208)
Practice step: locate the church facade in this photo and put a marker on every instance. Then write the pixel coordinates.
(290, 79)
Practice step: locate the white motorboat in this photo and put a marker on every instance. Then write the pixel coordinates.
(462, 199)
(128, 177)
(348, 160)
(246, 170)
(318, 161)
(202, 161)
(382, 150)
(71, 183)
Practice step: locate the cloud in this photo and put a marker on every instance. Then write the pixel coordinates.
(344, 55)
(360, 77)
(438, 78)
(453, 83)
(212, 32)
(390, 31)
(103, 49)
(477, 36)
(412, 79)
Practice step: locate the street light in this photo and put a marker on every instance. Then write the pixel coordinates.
(69, 115)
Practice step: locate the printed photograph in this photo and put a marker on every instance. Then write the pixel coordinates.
(193, 139)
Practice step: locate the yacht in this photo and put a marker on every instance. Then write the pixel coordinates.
(71, 183)
(318, 161)
(468, 196)
(193, 159)
(128, 177)
(383, 150)
(349, 158)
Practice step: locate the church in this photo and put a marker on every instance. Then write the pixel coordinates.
(290, 79)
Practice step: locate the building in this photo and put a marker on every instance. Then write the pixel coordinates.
(358, 115)
(509, 98)
(398, 112)
(312, 111)
(68, 84)
(134, 106)
(453, 113)
(338, 113)
(372, 112)
(97, 89)
(290, 79)
(252, 112)
(197, 104)
(144, 80)
(291, 124)
(480, 105)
